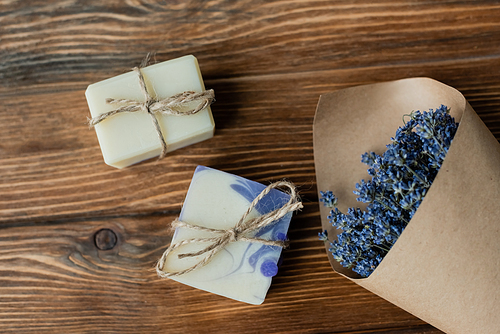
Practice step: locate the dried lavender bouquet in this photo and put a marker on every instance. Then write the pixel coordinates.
(400, 178)
(444, 266)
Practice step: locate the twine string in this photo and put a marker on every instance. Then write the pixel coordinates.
(239, 232)
(153, 106)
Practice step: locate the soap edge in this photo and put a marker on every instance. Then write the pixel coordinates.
(132, 72)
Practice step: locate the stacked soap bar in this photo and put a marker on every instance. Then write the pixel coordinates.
(128, 138)
(242, 270)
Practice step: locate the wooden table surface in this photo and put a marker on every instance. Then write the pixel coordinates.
(268, 62)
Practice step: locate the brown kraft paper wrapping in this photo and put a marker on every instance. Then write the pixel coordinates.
(445, 267)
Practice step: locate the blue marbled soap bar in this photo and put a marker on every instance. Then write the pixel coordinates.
(242, 270)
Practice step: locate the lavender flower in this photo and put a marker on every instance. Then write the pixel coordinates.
(400, 179)
(328, 199)
(323, 236)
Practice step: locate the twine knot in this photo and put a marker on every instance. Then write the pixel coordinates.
(239, 232)
(152, 106)
(232, 235)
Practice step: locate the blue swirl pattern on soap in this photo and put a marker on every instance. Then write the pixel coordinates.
(272, 201)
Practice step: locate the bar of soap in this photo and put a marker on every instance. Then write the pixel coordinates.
(128, 138)
(242, 270)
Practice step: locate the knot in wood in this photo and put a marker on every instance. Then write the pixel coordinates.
(105, 239)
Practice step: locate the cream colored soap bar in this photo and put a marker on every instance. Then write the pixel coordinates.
(242, 270)
(128, 138)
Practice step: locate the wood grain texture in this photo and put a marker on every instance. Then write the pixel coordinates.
(58, 265)
(268, 62)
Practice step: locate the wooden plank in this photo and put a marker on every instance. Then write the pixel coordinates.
(53, 278)
(52, 167)
(64, 43)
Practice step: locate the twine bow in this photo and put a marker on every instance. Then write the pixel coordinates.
(239, 232)
(154, 106)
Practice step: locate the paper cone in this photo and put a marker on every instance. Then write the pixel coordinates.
(445, 267)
